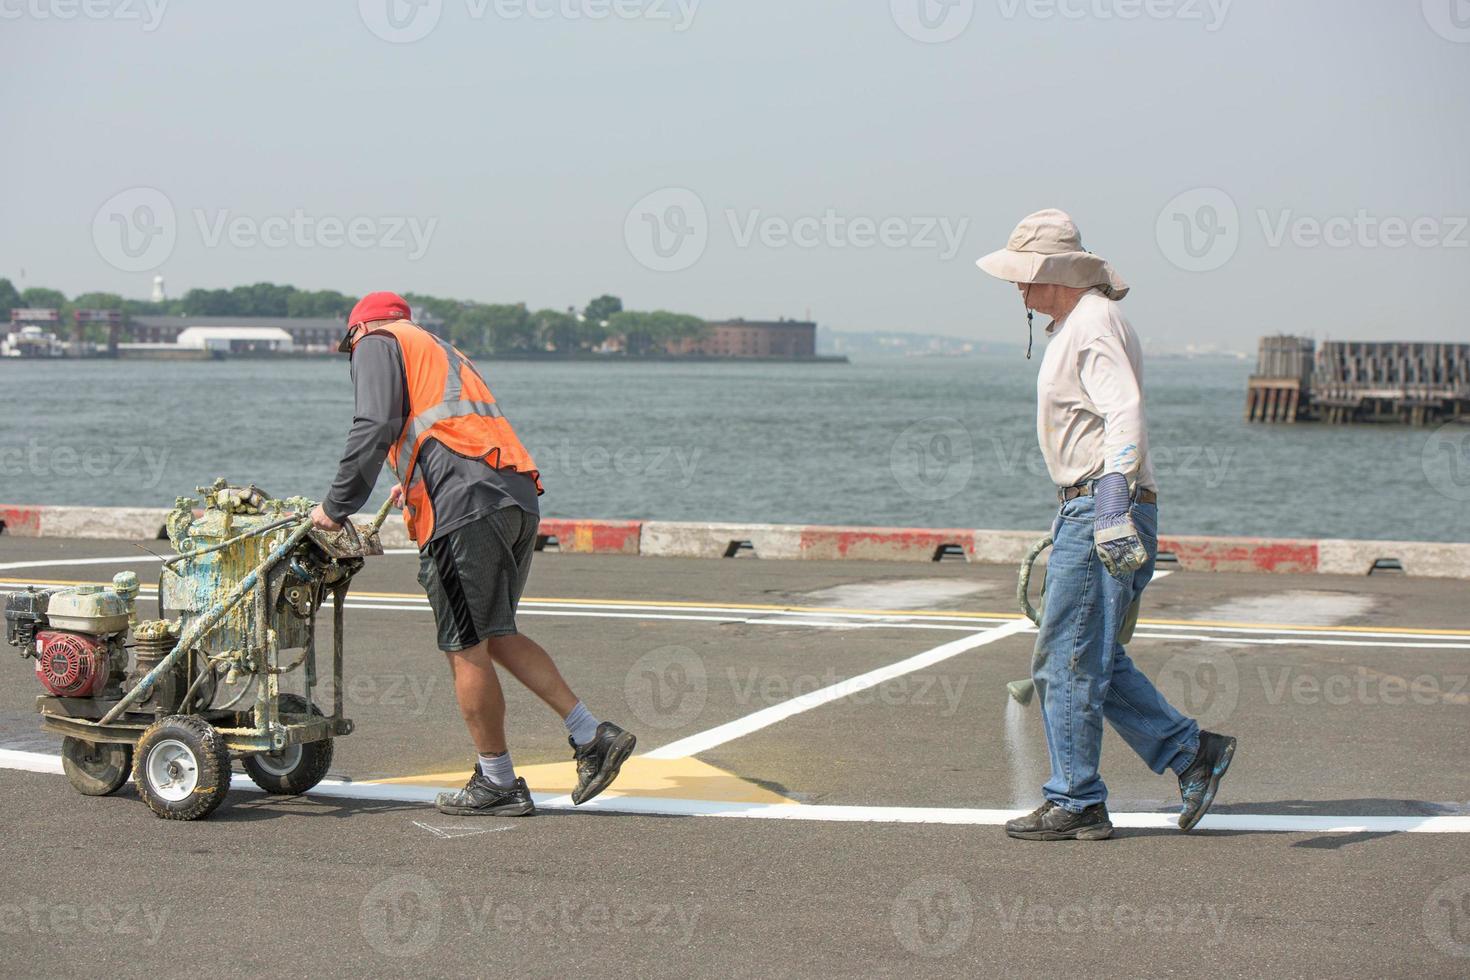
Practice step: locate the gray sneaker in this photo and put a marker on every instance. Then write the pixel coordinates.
(482, 798)
(1052, 822)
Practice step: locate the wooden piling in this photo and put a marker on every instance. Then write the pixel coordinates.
(1409, 383)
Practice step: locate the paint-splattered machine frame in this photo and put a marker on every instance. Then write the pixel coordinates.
(247, 583)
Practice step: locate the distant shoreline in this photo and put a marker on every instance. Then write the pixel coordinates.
(191, 355)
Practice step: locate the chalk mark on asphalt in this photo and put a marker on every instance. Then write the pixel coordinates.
(449, 833)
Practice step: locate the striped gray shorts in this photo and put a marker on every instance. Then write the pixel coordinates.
(475, 575)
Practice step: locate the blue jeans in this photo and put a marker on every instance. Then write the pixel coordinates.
(1084, 675)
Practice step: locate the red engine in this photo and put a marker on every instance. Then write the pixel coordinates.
(71, 665)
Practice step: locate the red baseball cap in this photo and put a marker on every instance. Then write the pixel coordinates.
(378, 306)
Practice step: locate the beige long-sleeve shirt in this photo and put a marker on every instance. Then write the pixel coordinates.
(1089, 397)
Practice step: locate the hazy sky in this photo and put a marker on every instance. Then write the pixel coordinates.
(1248, 166)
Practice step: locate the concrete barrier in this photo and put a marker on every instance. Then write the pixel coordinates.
(691, 539)
(688, 539)
(591, 537)
(119, 523)
(1427, 559)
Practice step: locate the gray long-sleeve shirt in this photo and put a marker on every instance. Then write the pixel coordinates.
(463, 488)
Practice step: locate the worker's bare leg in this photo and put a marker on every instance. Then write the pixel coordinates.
(481, 701)
(530, 664)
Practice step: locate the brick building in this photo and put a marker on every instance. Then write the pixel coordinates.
(752, 338)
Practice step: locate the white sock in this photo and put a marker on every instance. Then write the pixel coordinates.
(498, 770)
(581, 725)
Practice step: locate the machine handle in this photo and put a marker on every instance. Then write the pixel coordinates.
(382, 515)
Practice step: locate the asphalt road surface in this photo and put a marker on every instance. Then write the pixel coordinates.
(847, 725)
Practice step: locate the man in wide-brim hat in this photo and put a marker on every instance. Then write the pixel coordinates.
(1090, 423)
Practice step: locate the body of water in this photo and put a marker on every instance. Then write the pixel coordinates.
(917, 442)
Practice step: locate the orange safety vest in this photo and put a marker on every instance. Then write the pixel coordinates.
(449, 402)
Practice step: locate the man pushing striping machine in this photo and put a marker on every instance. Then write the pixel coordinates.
(469, 491)
(1090, 423)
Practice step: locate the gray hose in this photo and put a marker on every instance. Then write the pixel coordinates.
(1023, 583)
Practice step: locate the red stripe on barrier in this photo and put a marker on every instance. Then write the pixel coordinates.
(21, 521)
(1242, 554)
(593, 537)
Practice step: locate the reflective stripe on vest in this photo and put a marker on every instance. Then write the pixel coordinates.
(441, 412)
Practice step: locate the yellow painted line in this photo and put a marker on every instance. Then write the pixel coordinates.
(663, 778)
(839, 610)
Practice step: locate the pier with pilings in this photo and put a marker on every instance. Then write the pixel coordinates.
(1408, 383)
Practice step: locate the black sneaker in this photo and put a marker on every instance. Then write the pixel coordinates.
(482, 798)
(599, 760)
(1052, 822)
(1198, 783)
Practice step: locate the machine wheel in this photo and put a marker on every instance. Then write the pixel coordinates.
(96, 768)
(296, 768)
(182, 768)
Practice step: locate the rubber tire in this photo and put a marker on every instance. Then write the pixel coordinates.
(96, 768)
(210, 755)
(316, 757)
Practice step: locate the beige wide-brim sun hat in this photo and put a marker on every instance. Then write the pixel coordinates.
(1047, 248)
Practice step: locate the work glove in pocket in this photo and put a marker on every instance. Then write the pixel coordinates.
(1120, 549)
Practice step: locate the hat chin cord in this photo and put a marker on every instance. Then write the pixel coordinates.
(1030, 331)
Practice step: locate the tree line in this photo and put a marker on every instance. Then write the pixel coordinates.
(474, 327)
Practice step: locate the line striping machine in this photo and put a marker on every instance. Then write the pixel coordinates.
(169, 701)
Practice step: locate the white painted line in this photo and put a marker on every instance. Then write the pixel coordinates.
(839, 620)
(704, 741)
(1293, 641)
(1366, 632)
(653, 806)
(9, 566)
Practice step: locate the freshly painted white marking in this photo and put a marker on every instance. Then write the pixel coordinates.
(1022, 740)
(1305, 607)
(914, 593)
(652, 806)
(765, 717)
